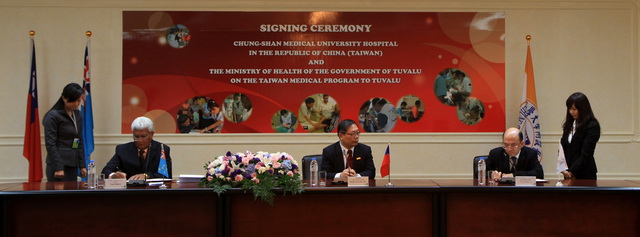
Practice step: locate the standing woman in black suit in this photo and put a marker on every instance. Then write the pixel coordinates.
(63, 136)
(581, 132)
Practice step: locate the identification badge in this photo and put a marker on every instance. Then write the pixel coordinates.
(76, 143)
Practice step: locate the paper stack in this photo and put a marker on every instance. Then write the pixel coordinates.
(190, 178)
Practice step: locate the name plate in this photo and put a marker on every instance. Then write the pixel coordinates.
(115, 184)
(358, 182)
(525, 180)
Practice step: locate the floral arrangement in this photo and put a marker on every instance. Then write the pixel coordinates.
(260, 172)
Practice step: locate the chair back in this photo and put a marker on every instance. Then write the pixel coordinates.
(306, 163)
(475, 165)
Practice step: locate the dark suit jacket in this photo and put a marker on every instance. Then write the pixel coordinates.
(528, 164)
(333, 161)
(126, 159)
(579, 153)
(59, 133)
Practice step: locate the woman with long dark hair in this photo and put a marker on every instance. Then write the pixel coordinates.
(581, 132)
(63, 136)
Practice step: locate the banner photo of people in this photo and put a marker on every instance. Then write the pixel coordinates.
(304, 72)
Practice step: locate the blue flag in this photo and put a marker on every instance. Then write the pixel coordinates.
(87, 112)
(162, 166)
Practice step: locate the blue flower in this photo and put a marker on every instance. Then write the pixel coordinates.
(286, 165)
(251, 168)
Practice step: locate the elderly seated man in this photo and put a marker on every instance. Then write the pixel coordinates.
(141, 158)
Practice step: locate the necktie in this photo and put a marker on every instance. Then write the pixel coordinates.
(513, 164)
(141, 156)
(350, 159)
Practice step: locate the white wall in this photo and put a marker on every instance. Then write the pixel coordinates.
(577, 46)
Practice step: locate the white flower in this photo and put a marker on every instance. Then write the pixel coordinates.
(235, 166)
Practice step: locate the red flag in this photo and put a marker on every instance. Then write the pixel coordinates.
(386, 162)
(32, 146)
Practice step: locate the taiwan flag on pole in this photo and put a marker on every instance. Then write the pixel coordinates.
(87, 111)
(32, 146)
(386, 163)
(528, 121)
(162, 166)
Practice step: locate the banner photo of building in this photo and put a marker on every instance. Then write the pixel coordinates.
(302, 72)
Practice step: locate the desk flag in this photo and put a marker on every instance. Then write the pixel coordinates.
(562, 161)
(32, 145)
(162, 166)
(87, 111)
(386, 163)
(528, 121)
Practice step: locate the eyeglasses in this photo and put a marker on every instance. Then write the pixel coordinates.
(353, 134)
(505, 146)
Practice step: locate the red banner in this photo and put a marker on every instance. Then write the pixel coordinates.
(245, 72)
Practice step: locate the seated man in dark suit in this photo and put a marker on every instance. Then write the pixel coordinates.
(347, 157)
(513, 158)
(139, 159)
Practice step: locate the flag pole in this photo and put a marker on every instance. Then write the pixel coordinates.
(163, 186)
(86, 107)
(389, 184)
(32, 145)
(88, 34)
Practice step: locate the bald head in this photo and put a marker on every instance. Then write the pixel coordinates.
(512, 141)
(513, 132)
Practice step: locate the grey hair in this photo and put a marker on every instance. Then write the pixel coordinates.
(141, 123)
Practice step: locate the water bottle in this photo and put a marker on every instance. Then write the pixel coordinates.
(482, 172)
(92, 178)
(313, 168)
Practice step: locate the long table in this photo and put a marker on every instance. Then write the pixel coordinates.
(409, 208)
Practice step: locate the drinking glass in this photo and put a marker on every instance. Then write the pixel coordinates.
(101, 181)
(322, 176)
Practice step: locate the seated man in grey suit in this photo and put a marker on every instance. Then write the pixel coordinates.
(347, 157)
(513, 158)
